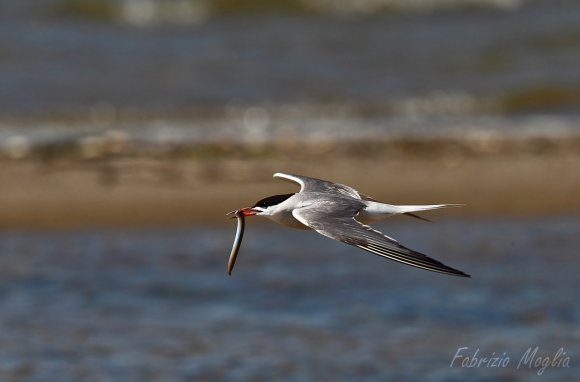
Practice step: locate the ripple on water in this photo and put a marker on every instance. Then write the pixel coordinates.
(129, 305)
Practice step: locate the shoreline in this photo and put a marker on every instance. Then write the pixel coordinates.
(146, 190)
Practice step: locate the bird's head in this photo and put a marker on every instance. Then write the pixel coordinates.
(265, 206)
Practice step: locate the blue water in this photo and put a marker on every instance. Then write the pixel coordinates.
(503, 66)
(52, 62)
(158, 305)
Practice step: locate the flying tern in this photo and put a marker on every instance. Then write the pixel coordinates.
(340, 213)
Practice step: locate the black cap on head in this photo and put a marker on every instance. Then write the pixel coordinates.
(271, 200)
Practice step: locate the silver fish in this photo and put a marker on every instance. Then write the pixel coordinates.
(238, 240)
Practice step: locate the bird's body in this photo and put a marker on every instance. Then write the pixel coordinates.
(342, 213)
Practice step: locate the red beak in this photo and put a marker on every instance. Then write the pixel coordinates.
(246, 211)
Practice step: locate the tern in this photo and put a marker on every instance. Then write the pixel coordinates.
(341, 213)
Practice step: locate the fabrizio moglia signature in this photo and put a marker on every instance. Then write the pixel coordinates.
(531, 358)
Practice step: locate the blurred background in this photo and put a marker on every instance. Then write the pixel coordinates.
(128, 128)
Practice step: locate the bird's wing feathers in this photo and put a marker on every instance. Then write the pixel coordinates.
(340, 224)
(308, 184)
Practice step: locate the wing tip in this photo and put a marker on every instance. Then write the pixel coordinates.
(444, 269)
(423, 262)
(457, 272)
(290, 178)
(284, 175)
(439, 267)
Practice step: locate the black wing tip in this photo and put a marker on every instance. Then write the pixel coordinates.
(445, 269)
(457, 272)
(418, 260)
(439, 267)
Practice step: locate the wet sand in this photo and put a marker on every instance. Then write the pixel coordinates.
(129, 191)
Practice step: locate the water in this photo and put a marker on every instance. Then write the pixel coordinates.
(434, 68)
(157, 304)
(55, 61)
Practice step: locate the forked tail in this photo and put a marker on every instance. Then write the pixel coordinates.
(376, 211)
(425, 208)
(411, 209)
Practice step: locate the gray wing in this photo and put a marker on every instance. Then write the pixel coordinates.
(308, 184)
(324, 186)
(340, 224)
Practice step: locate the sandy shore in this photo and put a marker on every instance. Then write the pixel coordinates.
(142, 190)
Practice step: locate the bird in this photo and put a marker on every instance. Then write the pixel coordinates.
(341, 213)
